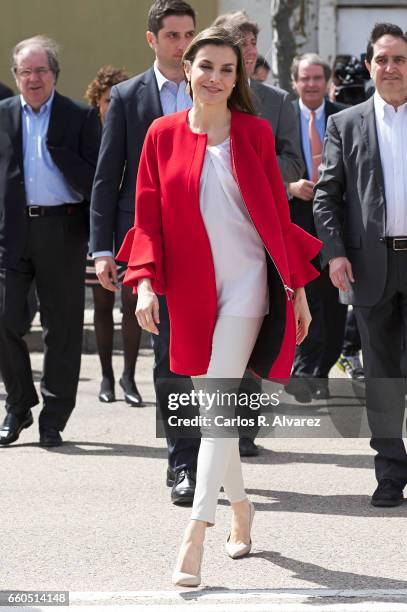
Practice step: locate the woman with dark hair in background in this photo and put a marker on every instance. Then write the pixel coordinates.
(98, 95)
(261, 69)
(213, 233)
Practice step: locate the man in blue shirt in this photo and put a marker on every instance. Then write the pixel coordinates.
(321, 348)
(48, 152)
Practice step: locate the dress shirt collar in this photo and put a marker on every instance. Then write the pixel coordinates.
(45, 108)
(161, 79)
(382, 107)
(307, 111)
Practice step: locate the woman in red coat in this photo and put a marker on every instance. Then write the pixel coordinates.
(213, 233)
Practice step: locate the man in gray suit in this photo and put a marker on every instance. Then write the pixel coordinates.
(365, 241)
(271, 103)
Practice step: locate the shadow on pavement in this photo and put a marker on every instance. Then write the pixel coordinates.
(323, 578)
(89, 448)
(334, 579)
(281, 458)
(334, 505)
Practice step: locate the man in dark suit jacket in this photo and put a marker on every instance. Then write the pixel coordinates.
(319, 351)
(133, 107)
(48, 152)
(365, 242)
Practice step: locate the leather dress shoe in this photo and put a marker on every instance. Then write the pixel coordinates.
(389, 493)
(49, 436)
(106, 393)
(131, 394)
(183, 490)
(299, 388)
(247, 448)
(170, 477)
(13, 425)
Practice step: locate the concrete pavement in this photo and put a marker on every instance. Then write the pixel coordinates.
(94, 517)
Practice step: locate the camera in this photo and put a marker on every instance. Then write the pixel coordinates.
(352, 79)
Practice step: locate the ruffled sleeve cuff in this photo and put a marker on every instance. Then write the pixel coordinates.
(144, 259)
(301, 249)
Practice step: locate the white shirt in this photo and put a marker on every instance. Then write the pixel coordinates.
(392, 136)
(238, 253)
(45, 185)
(173, 95)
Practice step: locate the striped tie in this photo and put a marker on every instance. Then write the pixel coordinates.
(316, 146)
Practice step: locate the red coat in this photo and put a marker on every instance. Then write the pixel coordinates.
(169, 243)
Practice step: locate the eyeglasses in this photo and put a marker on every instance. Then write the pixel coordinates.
(26, 73)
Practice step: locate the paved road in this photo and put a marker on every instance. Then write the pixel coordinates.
(94, 518)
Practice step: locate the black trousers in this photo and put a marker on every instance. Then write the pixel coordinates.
(182, 452)
(320, 350)
(54, 256)
(383, 330)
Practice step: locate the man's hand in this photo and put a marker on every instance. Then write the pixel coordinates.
(301, 189)
(340, 273)
(302, 314)
(106, 271)
(147, 311)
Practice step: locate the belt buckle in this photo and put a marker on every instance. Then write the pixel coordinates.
(34, 211)
(395, 240)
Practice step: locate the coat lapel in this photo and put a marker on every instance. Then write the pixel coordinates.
(56, 127)
(368, 128)
(298, 116)
(15, 130)
(149, 103)
(257, 97)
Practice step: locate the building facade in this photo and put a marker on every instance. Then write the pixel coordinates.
(329, 27)
(93, 33)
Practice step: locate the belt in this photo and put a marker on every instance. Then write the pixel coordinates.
(53, 211)
(398, 243)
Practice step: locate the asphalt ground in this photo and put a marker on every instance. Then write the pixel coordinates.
(94, 518)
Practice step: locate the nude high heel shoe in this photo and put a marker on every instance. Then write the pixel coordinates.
(188, 580)
(235, 551)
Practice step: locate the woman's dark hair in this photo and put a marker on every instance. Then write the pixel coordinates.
(379, 30)
(167, 8)
(240, 98)
(106, 77)
(261, 62)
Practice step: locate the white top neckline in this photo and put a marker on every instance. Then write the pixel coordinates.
(226, 141)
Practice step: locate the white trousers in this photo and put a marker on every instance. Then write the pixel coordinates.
(218, 459)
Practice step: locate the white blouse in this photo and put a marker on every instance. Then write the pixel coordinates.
(238, 252)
